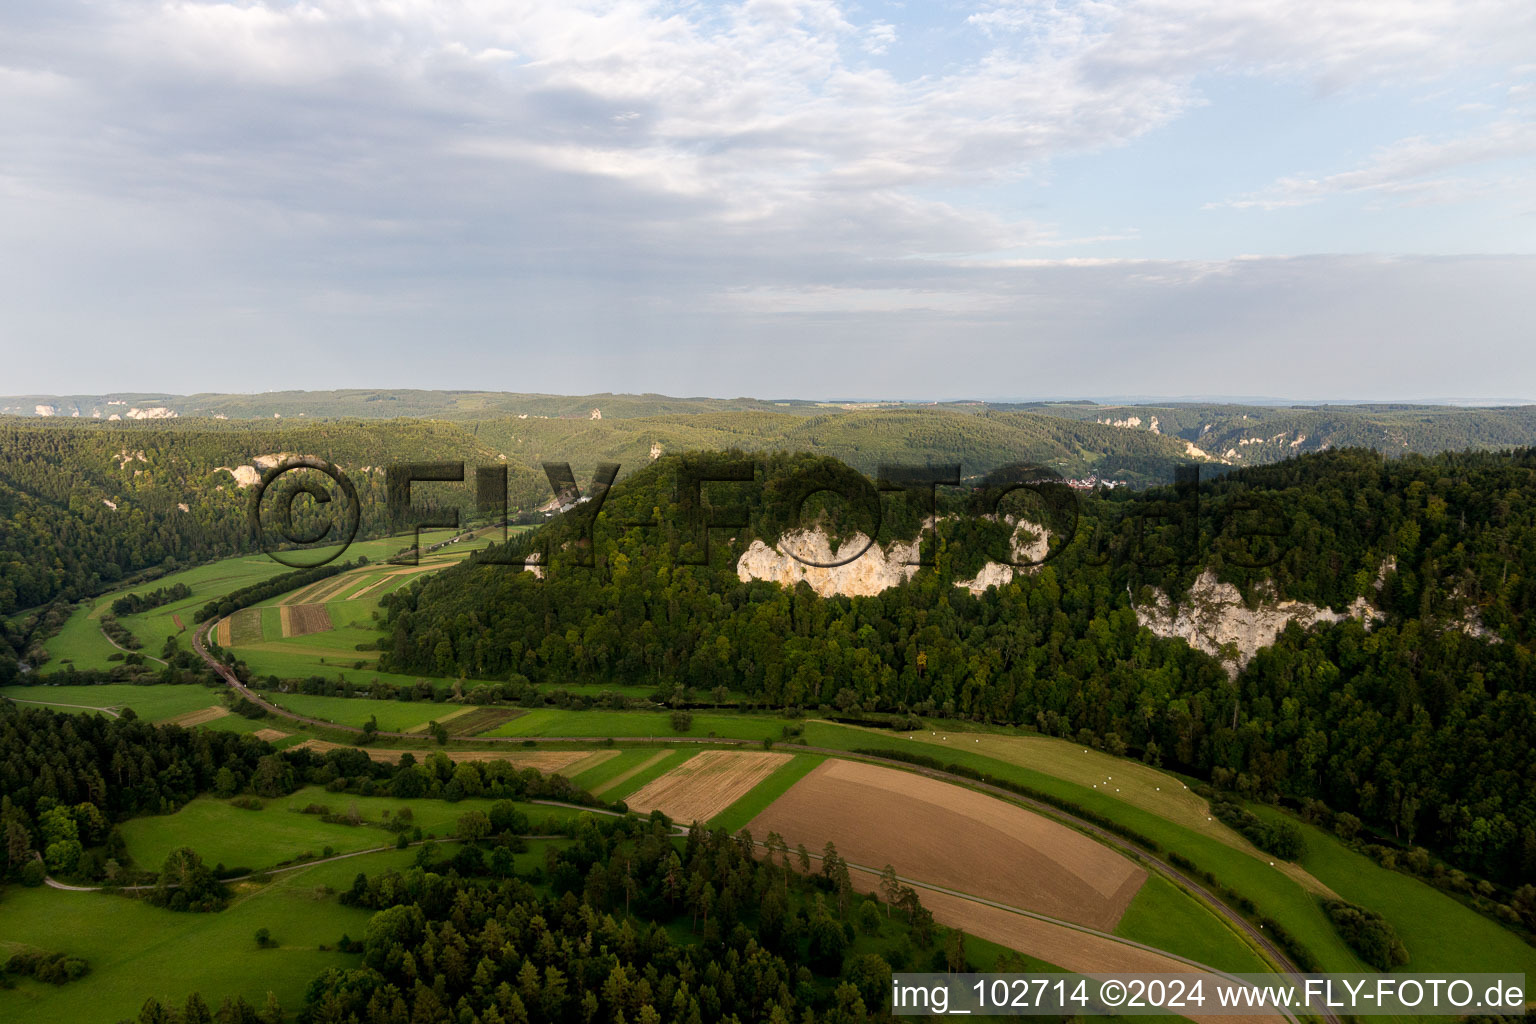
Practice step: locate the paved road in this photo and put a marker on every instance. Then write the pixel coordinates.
(1205, 895)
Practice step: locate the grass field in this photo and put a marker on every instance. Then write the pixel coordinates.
(392, 715)
(224, 834)
(1440, 933)
(171, 955)
(638, 724)
(80, 640)
(1164, 916)
(151, 703)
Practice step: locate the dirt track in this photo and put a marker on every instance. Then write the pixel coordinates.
(956, 838)
(705, 784)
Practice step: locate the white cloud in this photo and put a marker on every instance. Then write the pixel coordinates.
(199, 166)
(1414, 170)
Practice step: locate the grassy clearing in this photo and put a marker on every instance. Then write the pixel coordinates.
(171, 955)
(1440, 933)
(392, 715)
(737, 815)
(152, 703)
(1164, 916)
(638, 724)
(224, 834)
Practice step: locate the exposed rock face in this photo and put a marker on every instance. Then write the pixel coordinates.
(655, 450)
(44, 410)
(1214, 619)
(1031, 543)
(245, 476)
(250, 476)
(157, 412)
(875, 570)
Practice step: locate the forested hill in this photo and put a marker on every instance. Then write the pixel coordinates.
(1249, 435)
(85, 504)
(1415, 724)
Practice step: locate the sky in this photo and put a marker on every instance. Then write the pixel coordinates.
(1313, 199)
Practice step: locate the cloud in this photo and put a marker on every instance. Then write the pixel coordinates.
(343, 173)
(1414, 170)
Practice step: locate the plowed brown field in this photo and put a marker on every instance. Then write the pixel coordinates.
(705, 784)
(956, 838)
(304, 619)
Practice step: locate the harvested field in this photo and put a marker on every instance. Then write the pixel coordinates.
(619, 780)
(1065, 947)
(245, 626)
(177, 619)
(444, 719)
(955, 838)
(270, 735)
(592, 760)
(221, 632)
(304, 619)
(547, 761)
(197, 717)
(391, 576)
(705, 784)
(478, 720)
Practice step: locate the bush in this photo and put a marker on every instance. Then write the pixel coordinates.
(682, 721)
(1281, 838)
(32, 873)
(246, 803)
(53, 968)
(1367, 933)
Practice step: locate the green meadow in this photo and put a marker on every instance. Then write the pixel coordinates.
(1164, 916)
(639, 725)
(136, 950)
(153, 703)
(392, 715)
(235, 837)
(80, 642)
(1441, 933)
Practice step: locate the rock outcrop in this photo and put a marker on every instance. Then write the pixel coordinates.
(875, 570)
(1214, 619)
(1031, 542)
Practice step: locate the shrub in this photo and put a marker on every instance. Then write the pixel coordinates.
(1367, 933)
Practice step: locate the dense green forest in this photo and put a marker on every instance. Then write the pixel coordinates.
(85, 503)
(1416, 726)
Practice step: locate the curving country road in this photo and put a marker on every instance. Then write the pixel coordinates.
(1276, 955)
